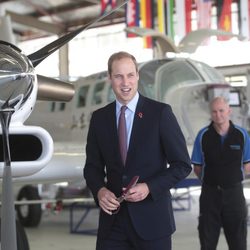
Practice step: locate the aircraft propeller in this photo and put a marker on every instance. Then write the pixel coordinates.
(18, 83)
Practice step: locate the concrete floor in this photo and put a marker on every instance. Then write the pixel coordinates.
(54, 230)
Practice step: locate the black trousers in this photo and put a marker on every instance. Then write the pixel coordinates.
(124, 237)
(223, 208)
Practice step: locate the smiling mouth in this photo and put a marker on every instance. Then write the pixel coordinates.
(125, 90)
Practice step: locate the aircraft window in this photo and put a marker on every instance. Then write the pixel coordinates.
(97, 96)
(147, 77)
(111, 95)
(53, 107)
(82, 96)
(62, 106)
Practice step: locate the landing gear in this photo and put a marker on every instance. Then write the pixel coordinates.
(29, 215)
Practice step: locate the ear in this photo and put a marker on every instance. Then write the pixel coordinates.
(109, 77)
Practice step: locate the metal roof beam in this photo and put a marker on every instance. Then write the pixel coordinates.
(35, 23)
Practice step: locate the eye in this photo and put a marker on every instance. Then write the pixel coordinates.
(131, 75)
(117, 76)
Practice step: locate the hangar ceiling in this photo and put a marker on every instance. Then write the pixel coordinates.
(39, 18)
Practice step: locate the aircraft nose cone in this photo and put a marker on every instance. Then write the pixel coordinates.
(17, 77)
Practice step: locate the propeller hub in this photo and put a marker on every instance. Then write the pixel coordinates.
(17, 77)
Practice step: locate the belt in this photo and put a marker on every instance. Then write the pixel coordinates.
(223, 186)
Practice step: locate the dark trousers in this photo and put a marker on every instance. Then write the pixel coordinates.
(223, 208)
(124, 237)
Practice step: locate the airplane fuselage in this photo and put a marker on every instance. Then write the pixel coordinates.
(186, 85)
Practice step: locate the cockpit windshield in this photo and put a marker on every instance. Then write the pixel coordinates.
(158, 76)
(147, 84)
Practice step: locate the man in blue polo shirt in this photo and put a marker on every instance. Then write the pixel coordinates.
(221, 157)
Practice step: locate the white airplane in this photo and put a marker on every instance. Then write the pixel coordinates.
(54, 151)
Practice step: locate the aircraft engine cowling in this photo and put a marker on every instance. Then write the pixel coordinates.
(31, 148)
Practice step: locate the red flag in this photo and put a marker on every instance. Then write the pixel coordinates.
(188, 10)
(106, 3)
(132, 15)
(204, 8)
(224, 16)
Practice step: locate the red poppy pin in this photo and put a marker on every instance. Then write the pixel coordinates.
(140, 114)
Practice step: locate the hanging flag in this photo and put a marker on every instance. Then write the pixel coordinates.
(180, 16)
(106, 3)
(146, 8)
(170, 18)
(132, 15)
(224, 16)
(161, 16)
(204, 9)
(188, 17)
(183, 12)
(244, 18)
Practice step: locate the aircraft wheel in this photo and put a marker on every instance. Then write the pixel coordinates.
(29, 215)
(22, 240)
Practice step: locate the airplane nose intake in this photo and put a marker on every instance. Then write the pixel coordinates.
(31, 148)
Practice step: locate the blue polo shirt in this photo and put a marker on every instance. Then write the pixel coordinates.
(221, 158)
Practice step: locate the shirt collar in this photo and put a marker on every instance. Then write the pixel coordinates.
(131, 105)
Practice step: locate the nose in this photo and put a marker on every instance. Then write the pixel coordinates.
(125, 80)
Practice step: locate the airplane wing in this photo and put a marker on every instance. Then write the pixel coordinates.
(194, 39)
(164, 44)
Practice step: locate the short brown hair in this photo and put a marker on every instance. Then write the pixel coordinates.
(118, 56)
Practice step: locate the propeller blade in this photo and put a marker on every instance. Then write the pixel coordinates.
(8, 218)
(44, 52)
